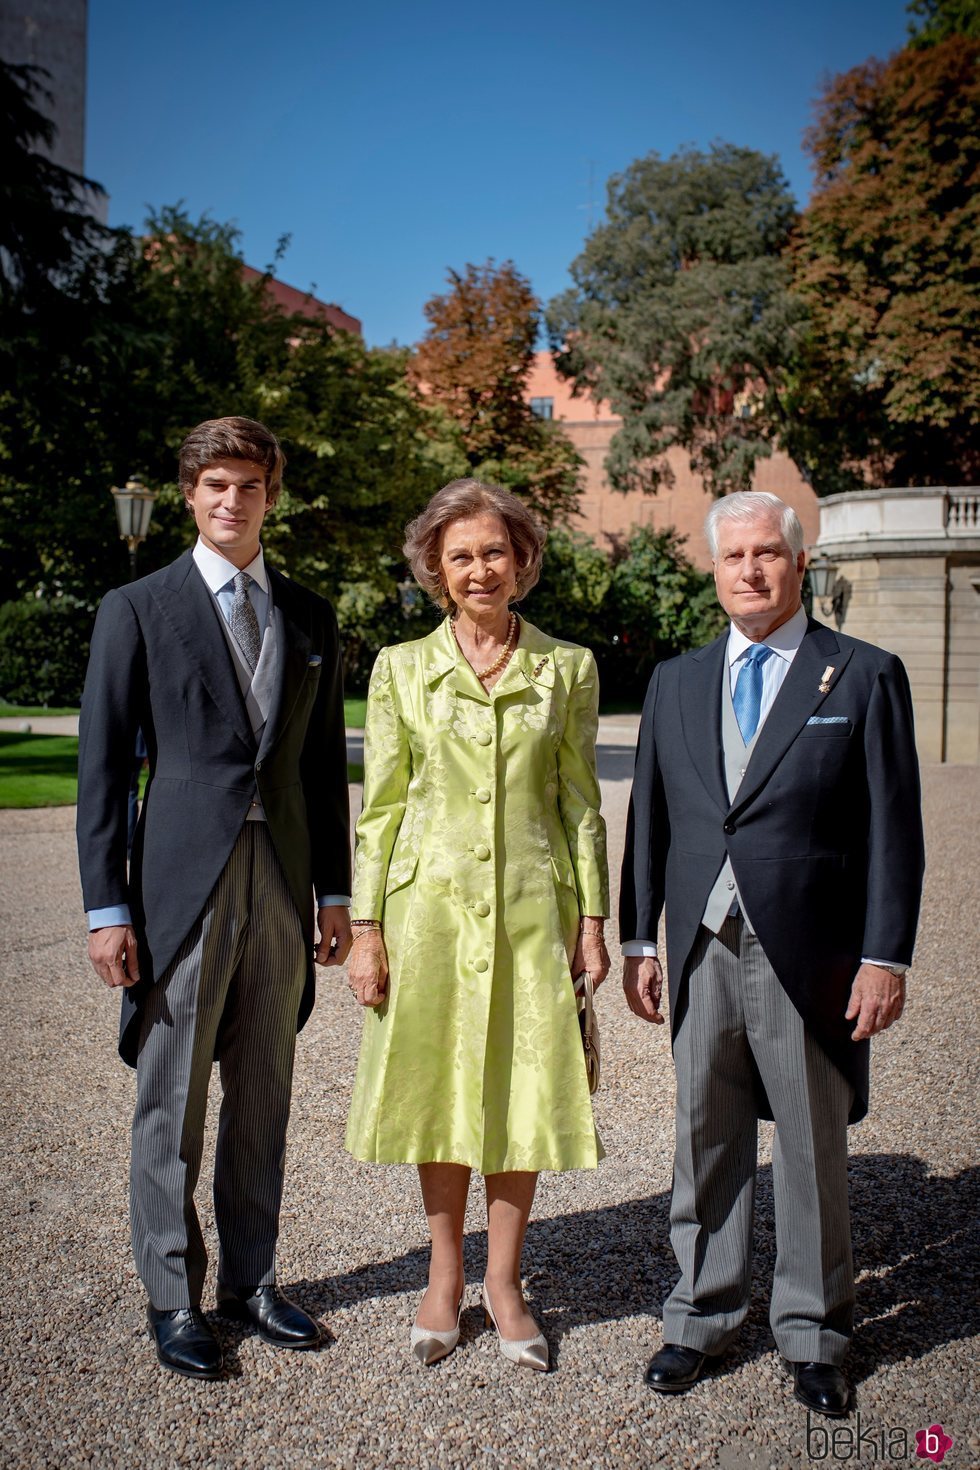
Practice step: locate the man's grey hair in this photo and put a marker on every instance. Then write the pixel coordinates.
(749, 505)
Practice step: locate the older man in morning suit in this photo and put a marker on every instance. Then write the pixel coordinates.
(775, 815)
(233, 674)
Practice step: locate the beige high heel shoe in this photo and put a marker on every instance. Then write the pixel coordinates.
(430, 1344)
(531, 1352)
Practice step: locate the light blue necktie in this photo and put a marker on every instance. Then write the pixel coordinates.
(747, 698)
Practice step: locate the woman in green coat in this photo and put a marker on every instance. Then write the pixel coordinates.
(480, 888)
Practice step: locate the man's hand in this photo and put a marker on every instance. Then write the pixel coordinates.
(112, 951)
(643, 985)
(333, 922)
(877, 999)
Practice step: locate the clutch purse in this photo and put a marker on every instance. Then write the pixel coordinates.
(589, 1027)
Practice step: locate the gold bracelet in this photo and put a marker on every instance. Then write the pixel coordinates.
(599, 933)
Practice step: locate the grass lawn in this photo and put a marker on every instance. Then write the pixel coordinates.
(37, 770)
(27, 711)
(42, 770)
(353, 711)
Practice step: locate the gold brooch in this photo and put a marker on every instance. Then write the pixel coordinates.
(539, 666)
(825, 678)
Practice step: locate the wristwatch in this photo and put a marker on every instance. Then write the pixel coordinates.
(900, 971)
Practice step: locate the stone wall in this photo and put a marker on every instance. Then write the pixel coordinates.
(908, 579)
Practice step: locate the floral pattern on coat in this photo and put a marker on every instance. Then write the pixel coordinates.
(479, 846)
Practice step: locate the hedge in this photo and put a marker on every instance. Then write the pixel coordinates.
(43, 650)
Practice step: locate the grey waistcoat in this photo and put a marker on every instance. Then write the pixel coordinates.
(257, 688)
(724, 897)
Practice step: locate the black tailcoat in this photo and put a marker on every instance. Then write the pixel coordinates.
(824, 835)
(160, 662)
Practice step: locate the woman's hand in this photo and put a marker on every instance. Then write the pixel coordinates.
(590, 952)
(367, 967)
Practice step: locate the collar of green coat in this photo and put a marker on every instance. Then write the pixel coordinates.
(534, 656)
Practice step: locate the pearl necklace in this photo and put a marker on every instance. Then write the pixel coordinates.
(502, 656)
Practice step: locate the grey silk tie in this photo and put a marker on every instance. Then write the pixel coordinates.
(243, 622)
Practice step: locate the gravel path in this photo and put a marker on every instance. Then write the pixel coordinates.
(81, 1386)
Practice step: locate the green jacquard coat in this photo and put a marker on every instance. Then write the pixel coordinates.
(479, 846)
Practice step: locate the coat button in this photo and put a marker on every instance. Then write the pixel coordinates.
(729, 828)
(482, 794)
(258, 765)
(480, 966)
(481, 851)
(482, 908)
(483, 738)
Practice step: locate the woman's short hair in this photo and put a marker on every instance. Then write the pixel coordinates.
(748, 505)
(231, 438)
(455, 502)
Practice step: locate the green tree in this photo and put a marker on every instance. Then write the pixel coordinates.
(473, 364)
(643, 602)
(181, 337)
(940, 19)
(49, 243)
(61, 277)
(681, 314)
(887, 382)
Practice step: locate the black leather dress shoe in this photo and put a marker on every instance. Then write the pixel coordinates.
(185, 1342)
(675, 1369)
(278, 1320)
(821, 1387)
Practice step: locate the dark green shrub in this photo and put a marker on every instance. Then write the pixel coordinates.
(43, 650)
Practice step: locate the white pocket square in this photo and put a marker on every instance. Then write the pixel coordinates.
(314, 661)
(828, 720)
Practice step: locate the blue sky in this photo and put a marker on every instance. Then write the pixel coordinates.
(394, 140)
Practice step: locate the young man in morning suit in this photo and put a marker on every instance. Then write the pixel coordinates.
(775, 814)
(233, 674)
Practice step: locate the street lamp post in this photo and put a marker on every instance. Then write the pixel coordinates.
(134, 508)
(826, 587)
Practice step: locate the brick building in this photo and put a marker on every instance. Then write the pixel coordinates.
(302, 303)
(607, 513)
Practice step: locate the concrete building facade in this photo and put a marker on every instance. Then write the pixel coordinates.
(908, 579)
(53, 34)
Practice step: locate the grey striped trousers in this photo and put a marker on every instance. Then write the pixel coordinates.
(231, 994)
(739, 1029)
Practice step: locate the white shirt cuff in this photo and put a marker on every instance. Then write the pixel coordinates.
(117, 914)
(885, 964)
(327, 900)
(639, 949)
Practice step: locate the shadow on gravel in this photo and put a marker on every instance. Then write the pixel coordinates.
(915, 1252)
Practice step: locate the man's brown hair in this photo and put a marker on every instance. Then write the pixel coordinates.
(231, 438)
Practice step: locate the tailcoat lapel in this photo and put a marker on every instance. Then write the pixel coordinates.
(700, 711)
(796, 701)
(290, 621)
(188, 608)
